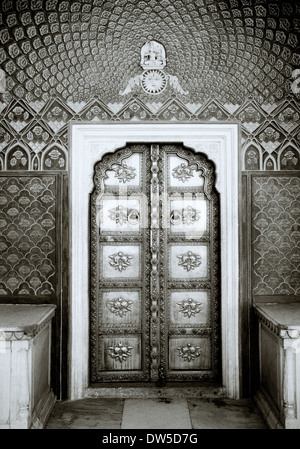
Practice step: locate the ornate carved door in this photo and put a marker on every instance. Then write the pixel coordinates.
(155, 300)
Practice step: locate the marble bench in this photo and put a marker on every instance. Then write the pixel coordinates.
(278, 395)
(25, 352)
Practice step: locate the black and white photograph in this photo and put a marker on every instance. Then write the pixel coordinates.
(150, 218)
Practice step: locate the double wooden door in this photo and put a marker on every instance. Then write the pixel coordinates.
(154, 267)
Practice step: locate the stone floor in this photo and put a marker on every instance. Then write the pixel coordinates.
(156, 413)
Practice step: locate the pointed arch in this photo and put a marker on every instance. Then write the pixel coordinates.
(257, 148)
(54, 157)
(294, 162)
(270, 163)
(21, 159)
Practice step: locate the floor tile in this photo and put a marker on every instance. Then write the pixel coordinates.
(224, 414)
(87, 414)
(156, 414)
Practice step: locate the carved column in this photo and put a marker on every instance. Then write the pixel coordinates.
(289, 417)
(154, 248)
(21, 381)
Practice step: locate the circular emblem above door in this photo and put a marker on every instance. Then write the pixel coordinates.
(154, 81)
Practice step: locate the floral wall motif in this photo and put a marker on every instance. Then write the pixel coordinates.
(28, 236)
(66, 60)
(46, 147)
(276, 235)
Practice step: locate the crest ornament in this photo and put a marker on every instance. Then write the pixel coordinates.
(153, 55)
(154, 79)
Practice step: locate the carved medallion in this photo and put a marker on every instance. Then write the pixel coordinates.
(189, 352)
(183, 172)
(154, 81)
(121, 215)
(189, 307)
(120, 352)
(120, 306)
(189, 261)
(187, 216)
(124, 173)
(120, 261)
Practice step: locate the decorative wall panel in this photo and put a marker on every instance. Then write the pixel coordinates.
(265, 134)
(28, 236)
(276, 235)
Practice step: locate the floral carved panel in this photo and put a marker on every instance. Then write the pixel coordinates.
(276, 235)
(28, 235)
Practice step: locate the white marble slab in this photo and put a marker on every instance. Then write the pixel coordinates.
(24, 317)
(285, 316)
(156, 414)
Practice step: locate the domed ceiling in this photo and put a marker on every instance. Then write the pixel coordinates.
(76, 50)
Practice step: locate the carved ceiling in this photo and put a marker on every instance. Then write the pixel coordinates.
(76, 50)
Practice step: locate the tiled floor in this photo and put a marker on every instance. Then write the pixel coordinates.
(156, 413)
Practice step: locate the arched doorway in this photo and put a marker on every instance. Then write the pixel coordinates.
(89, 144)
(155, 267)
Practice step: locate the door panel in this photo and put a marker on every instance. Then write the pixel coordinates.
(190, 281)
(119, 348)
(154, 266)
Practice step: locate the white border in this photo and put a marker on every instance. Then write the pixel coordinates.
(88, 144)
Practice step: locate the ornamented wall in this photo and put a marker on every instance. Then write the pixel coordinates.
(231, 60)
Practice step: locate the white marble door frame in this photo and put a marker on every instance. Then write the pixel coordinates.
(88, 143)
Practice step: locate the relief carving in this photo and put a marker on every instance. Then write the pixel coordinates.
(121, 215)
(189, 261)
(120, 352)
(290, 156)
(189, 352)
(154, 280)
(120, 261)
(124, 173)
(183, 172)
(186, 216)
(120, 306)
(189, 307)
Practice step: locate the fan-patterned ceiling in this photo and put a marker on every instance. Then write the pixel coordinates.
(75, 50)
